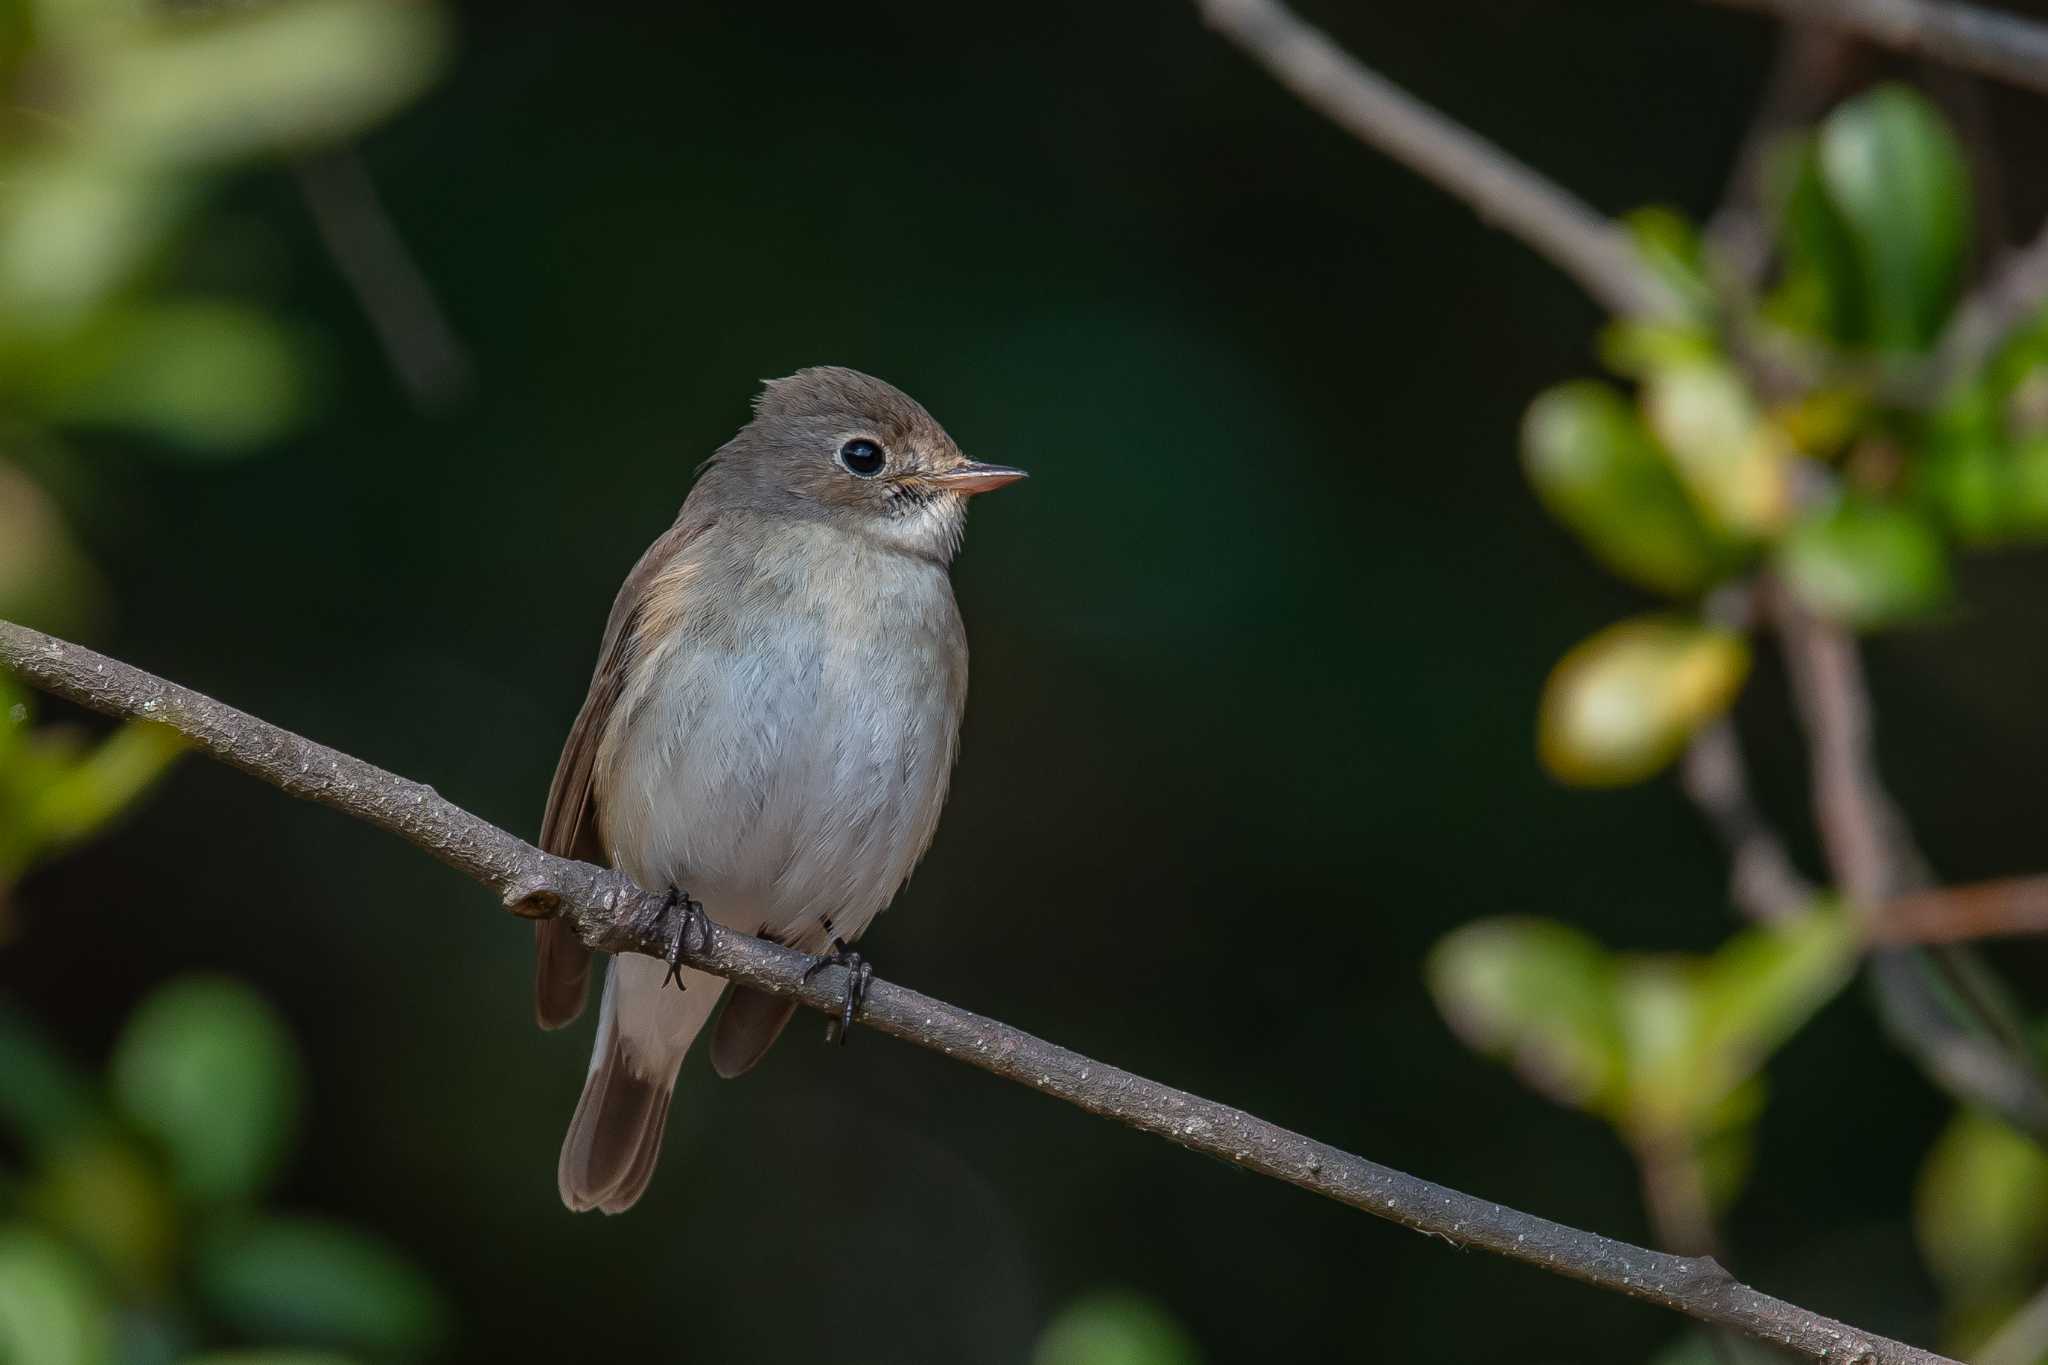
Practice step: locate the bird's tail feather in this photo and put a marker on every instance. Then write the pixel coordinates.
(644, 1031)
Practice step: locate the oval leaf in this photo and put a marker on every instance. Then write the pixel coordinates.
(1540, 996)
(1598, 471)
(1865, 563)
(1981, 1209)
(1623, 704)
(1115, 1327)
(1894, 172)
(207, 1067)
(52, 1311)
(316, 1284)
(1737, 466)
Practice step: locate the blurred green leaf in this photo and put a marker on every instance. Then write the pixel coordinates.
(76, 228)
(268, 1355)
(1623, 703)
(1115, 1327)
(103, 782)
(210, 377)
(1762, 985)
(45, 1100)
(1737, 466)
(318, 1284)
(1539, 995)
(103, 1194)
(1821, 291)
(1894, 172)
(1600, 473)
(248, 80)
(1865, 563)
(52, 1310)
(206, 1067)
(1670, 245)
(1981, 1208)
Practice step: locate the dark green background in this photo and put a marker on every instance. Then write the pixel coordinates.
(1256, 655)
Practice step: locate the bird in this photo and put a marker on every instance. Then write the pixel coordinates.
(768, 736)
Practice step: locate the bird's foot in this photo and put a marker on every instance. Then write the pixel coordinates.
(691, 928)
(858, 975)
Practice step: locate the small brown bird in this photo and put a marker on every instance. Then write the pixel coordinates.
(769, 731)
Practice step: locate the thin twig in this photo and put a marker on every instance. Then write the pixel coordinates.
(2014, 907)
(1763, 882)
(1934, 1008)
(2016, 292)
(1552, 221)
(612, 914)
(1992, 43)
(1811, 66)
(419, 344)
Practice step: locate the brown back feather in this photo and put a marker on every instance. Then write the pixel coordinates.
(570, 827)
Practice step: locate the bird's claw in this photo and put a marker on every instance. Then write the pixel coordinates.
(858, 975)
(690, 929)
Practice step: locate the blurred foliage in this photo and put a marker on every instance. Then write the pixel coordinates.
(1115, 1327)
(58, 787)
(1666, 1048)
(136, 1229)
(1854, 495)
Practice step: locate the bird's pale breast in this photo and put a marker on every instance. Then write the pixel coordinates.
(782, 744)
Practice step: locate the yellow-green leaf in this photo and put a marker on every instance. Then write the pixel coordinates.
(1600, 473)
(1981, 1208)
(1737, 466)
(1538, 995)
(1622, 704)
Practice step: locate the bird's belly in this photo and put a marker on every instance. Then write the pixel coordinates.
(789, 785)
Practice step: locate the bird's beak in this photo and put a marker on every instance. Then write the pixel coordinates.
(975, 477)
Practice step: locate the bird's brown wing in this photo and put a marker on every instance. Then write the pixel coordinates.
(561, 979)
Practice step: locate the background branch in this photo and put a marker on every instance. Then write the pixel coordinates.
(1547, 217)
(610, 913)
(1989, 42)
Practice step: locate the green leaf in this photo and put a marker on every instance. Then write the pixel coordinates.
(1866, 563)
(317, 1284)
(1540, 996)
(1622, 704)
(208, 1068)
(104, 1194)
(45, 1100)
(1821, 293)
(1981, 1208)
(103, 782)
(1115, 1327)
(1670, 245)
(1737, 466)
(213, 378)
(1762, 985)
(52, 1310)
(1599, 472)
(1895, 174)
(269, 79)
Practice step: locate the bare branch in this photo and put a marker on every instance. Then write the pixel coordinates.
(1811, 66)
(2015, 293)
(420, 346)
(610, 913)
(1932, 1001)
(1763, 883)
(1549, 219)
(1989, 42)
(2011, 908)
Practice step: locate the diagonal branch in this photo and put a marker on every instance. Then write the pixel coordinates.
(1550, 219)
(610, 913)
(2004, 46)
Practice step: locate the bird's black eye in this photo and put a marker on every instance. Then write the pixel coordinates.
(862, 456)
